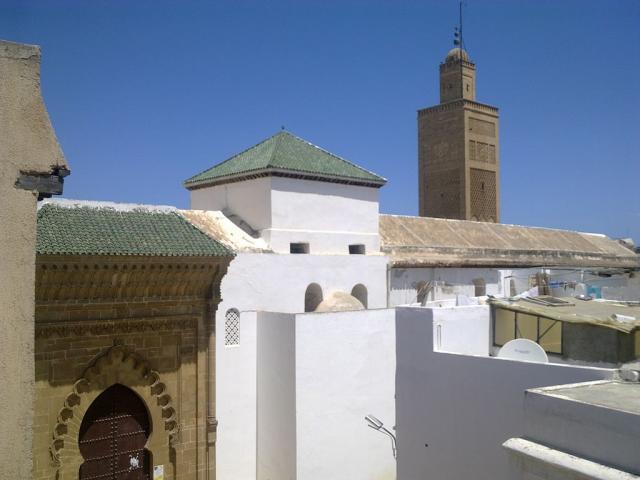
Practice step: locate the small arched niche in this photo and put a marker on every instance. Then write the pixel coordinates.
(312, 297)
(422, 291)
(360, 292)
(480, 286)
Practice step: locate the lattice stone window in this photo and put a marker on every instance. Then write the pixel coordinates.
(232, 328)
(482, 152)
(492, 153)
(483, 195)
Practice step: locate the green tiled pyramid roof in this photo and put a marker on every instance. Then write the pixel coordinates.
(94, 228)
(285, 153)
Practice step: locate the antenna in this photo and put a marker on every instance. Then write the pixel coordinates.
(457, 31)
(461, 47)
(460, 25)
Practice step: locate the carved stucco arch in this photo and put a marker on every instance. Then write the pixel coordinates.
(116, 365)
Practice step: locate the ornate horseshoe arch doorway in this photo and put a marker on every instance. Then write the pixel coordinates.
(113, 435)
(124, 368)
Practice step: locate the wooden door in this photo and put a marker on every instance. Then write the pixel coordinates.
(112, 437)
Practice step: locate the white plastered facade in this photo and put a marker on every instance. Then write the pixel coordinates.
(293, 394)
(292, 389)
(446, 283)
(456, 405)
(328, 216)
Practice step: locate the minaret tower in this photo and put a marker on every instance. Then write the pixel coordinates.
(458, 146)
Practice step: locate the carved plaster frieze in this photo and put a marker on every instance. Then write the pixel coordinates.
(115, 326)
(69, 279)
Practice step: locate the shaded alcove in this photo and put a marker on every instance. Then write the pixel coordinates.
(312, 297)
(480, 287)
(360, 292)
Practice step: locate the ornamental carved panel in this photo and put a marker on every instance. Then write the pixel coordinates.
(482, 127)
(483, 195)
(482, 152)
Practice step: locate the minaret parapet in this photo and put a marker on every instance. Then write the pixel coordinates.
(443, 107)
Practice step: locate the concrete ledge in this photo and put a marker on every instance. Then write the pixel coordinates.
(564, 462)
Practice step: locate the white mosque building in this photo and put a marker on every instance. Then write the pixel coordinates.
(306, 328)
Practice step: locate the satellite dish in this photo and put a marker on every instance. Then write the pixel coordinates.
(524, 350)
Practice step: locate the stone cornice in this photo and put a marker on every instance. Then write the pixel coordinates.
(481, 107)
(456, 65)
(440, 256)
(461, 103)
(115, 326)
(95, 279)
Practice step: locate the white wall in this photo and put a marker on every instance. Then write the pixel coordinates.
(462, 329)
(307, 381)
(323, 206)
(521, 278)
(277, 283)
(606, 435)
(236, 402)
(448, 282)
(533, 461)
(345, 369)
(249, 199)
(270, 282)
(463, 407)
(571, 282)
(329, 216)
(567, 283)
(628, 289)
(276, 452)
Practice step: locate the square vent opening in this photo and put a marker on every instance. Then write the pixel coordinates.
(298, 248)
(357, 249)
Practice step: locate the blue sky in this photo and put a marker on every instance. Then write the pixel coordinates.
(144, 94)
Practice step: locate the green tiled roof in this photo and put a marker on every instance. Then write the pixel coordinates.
(287, 153)
(92, 228)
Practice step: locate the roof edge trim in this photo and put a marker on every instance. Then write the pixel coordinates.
(278, 172)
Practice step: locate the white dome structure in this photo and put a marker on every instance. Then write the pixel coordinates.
(339, 301)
